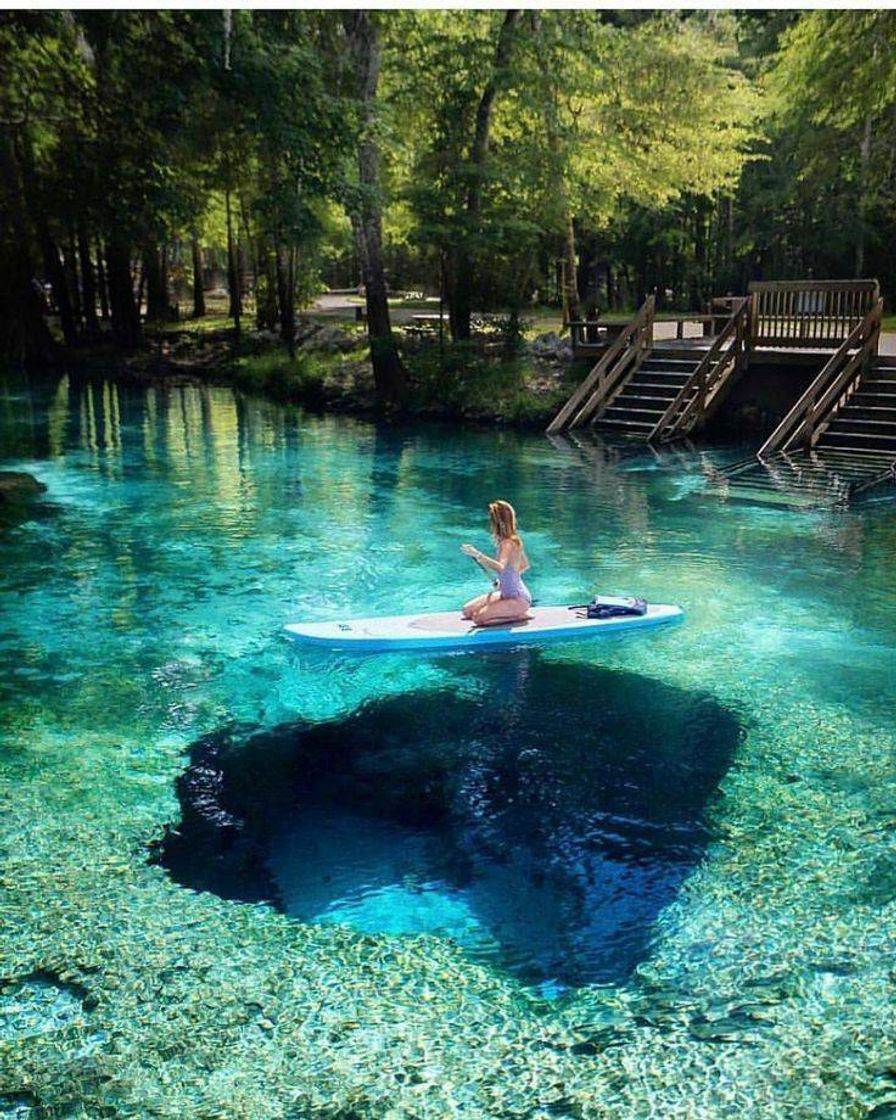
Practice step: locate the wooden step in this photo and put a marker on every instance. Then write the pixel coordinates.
(848, 423)
(633, 414)
(634, 427)
(669, 364)
(869, 411)
(666, 384)
(856, 465)
(856, 440)
(679, 375)
(644, 400)
(807, 475)
(878, 390)
(772, 495)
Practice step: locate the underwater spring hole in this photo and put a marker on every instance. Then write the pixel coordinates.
(542, 822)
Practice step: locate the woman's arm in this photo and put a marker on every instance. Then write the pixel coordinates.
(484, 561)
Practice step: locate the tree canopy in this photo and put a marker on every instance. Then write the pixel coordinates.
(496, 156)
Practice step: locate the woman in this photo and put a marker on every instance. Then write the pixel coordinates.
(511, 601)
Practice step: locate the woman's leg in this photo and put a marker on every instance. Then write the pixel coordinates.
(469, 609)
(501, 610)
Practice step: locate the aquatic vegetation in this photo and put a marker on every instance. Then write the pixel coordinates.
(141, 604)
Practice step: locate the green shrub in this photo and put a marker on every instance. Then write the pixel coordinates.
(277, 375)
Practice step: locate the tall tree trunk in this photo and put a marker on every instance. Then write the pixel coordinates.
(571, 304)
(24, 334)
(699, 270)
(126, 329)
(198, 285)
(88, 280)
(286, 296)
(267, 310)
(233, 273)
(464, 257)
(101, 282)
(250, 252)
(388, 372)
(156, 286)
(73, 280)
(61, 296)
(570, 295)
(26, 176)
(864, 164)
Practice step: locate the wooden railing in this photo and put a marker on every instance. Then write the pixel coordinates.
(722, 359)
(608, 376)
(808, 313)
(836, 382)
(580, 329)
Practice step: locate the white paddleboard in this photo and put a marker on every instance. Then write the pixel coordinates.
(450, 631)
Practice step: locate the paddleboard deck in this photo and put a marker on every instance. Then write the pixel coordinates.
(449, 630)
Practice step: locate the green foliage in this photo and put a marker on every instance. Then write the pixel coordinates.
(281, 377)
(687, 151)
(594, 117)
(824, 198)
(459, 380)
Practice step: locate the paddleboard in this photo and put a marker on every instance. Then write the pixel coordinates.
(449, 630)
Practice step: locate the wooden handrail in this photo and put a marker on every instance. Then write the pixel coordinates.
(583, 399)
(809, 313)
(693, 394)
(833, 382)
(867, 285)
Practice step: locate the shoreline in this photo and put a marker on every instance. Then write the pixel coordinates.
(527, 390)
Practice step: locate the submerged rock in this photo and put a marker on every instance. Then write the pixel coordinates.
(17, 487)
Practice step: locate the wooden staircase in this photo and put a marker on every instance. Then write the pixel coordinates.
(806, 478)
(652, 394)
(838, 440)
(641, 404)
(867, 421)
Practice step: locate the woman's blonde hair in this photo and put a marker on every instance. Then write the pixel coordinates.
(503, 521)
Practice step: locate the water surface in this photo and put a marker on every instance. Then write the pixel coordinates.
(141, 603)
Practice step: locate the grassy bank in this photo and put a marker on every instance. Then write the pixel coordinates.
(444, 383)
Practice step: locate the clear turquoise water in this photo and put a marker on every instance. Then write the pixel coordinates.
(140, 604)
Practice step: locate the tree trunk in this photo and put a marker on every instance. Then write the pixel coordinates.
(61, 297)
(286, 297)
(570, 295)
(388, 373)
(126, 329)
(267, 311)
(24, 335)
(233, 278)
(198, 285)
(101, 282)
(464, 274)
(699, 270)
(88, 280)
(156, 286)
(864, 164)
(73, 280)
(571, 302)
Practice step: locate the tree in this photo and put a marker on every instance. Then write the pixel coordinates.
(366, 210)
(833, 82)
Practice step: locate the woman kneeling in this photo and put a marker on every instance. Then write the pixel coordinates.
(511, 601)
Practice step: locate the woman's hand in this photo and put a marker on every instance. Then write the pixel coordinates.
(469, 550)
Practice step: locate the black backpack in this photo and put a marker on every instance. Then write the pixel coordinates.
(608, 606)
